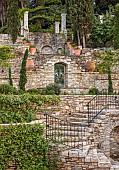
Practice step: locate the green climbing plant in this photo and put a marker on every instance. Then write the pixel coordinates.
(6, 53)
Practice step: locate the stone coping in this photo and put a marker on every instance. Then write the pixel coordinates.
(30, 123)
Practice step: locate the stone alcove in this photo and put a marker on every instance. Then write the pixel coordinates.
(46, 50)
(114, 144)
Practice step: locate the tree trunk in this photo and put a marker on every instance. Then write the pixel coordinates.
(84, 41)
(79, 42)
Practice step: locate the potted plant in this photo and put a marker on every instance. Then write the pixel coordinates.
(32, 49)
(26, 42)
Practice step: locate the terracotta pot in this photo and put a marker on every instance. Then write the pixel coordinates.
(77, 51)
(27, 43)
(32, 50)
(90, 65)
(29, 64)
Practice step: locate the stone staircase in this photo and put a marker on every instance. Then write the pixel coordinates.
(76, 139)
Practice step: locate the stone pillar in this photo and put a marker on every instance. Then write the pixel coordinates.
(22, 27)
(101, 18)
(26, 29)
(63, 22)
(57, 27)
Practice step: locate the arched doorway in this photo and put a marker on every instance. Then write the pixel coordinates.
(114, 144)
(60, 74)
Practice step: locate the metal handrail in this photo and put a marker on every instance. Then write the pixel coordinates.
(65, 133)
(102, 100)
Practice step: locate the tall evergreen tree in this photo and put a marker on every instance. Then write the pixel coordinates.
(81, 14)
(23, 78)
(116, 27)
(10, 77)
(13, 21)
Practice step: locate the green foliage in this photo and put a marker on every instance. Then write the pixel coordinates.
(26, 40)
(106, 60)
(5, 54)
(10, 78)
(13, 21)
(7, 89)
(22, 108)
(52, 2)
(116, 27)
(59, 74)
(25, 146)
(50, 89)
(102, 32)
(80, 15)
(21, 12)
(23, 78)
(53, 88)
(93, 91)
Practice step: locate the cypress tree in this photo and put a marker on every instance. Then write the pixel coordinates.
(10, 78)
(116, 27)
(13, 21)
(110, 87)
(23, 78)
(81, 16)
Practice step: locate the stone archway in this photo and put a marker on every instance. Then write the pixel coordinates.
(60, 74)
(107, 133)
(46, 50)
(114, 144)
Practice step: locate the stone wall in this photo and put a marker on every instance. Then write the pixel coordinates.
(48, 43)
(76, 82)
(76, 79)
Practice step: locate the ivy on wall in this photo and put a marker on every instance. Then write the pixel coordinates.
(6, 53)
(24, 146)
(22, 108)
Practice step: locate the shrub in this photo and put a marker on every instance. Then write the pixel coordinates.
(25, 146)
(54, 87)
(8, 89)
(34, 91)
(93, 91)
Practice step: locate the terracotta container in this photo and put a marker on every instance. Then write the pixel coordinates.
(90, 66)
(32, 50)
(29, 64)
(77, 51)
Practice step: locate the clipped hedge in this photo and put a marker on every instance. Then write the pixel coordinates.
(22, 108)
(24, 146)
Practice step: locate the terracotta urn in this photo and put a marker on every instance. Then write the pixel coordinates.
(77, 51)
(90, 65)
(29, 64)
(32, 50)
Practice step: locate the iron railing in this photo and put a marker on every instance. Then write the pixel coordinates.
(103, 100)
(64, 133)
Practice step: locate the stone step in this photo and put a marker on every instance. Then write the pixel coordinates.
(114, 167)
(77, 119)
(77, 152)
(103, 161)
(91, 156)
(61, 133)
